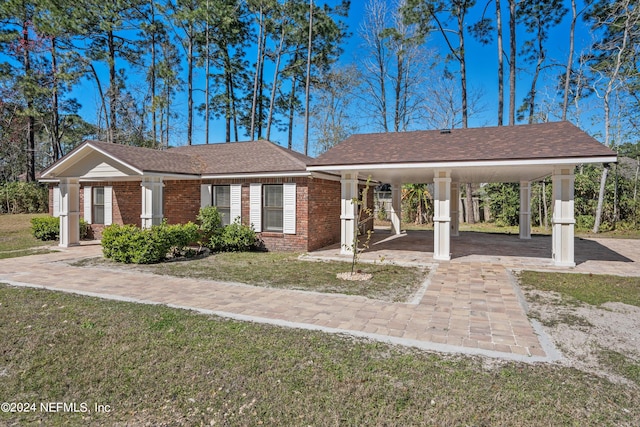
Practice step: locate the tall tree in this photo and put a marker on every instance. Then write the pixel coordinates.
(614, 60)
(331, 117)
(538, 17)
(512, 61)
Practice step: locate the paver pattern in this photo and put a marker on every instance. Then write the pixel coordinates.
(468, 305)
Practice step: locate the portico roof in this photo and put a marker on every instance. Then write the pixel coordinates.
(488, 154)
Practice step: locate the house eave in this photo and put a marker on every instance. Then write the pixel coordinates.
(461, 164)
(297, 174)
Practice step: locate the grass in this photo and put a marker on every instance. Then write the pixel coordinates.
(594, 289)
(285, 270)
(16, 238)
(155, 365)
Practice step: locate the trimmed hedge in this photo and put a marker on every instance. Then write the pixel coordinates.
(132, 245)
(48, 228)
(235, 237)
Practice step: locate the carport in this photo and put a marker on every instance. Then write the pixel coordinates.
(448, 158)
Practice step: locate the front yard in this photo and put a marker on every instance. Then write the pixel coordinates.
(119, 363)
(153, 365)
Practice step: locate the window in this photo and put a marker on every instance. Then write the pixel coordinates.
(222, 201)
(272, 208)
(98, 205)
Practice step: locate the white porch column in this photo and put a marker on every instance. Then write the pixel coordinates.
(69, 212)
(563, 217)
(396, 208)
(525, 210)
(455, 205)
(151, 201)
(348, 212)
(442, 215)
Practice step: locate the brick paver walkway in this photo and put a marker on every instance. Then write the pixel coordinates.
(467, 305)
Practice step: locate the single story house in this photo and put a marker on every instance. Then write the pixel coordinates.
(261, 183)
(299, 203)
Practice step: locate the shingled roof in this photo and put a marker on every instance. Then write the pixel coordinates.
(244, 157)
(253, 157)
(536, 141)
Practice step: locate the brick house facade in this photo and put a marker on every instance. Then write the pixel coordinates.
(177, 197)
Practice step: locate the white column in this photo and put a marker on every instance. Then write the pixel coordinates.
(563, 217)
(396, 208)
(455, 205)
(151, 201)
(69, 212)
(348, 211)
(442, 215)
(525, 210)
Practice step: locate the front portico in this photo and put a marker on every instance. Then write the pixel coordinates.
(521, 154)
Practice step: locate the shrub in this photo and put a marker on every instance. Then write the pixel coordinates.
(23, 197)
(181, 236)
(235, 237)
(210, 222)
(585, 222)
(48, 228)
(45, 228)
(132, 245)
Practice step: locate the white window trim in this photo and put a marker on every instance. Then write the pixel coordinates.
(236, 202)
(206, 195)
(108, 205)
(255, 206)
(289, 208)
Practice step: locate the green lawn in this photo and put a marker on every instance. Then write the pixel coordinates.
(153, 365)
(16, 238)
(285, 270)
(594, 289)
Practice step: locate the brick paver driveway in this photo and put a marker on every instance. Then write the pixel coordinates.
(468, 305)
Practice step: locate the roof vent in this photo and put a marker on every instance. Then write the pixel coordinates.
(445, 131)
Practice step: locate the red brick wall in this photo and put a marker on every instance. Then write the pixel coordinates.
(324, 208)
(318, 199)
(181, 201)
(127, 203)
(275, 241)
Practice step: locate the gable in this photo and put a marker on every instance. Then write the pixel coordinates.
(95, 165)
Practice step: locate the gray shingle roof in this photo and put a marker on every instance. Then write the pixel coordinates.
(536, 141)
(244, 157)
(212, 159)
(149, 160)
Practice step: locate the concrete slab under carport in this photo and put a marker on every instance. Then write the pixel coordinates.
(415, 247)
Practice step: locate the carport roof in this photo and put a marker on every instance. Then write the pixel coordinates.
(489, 154)
(537, 141)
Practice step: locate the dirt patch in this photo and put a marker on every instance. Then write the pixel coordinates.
(585, 333)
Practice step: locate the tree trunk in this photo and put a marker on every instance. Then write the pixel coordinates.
(207, 64)
(567, 74)
(276, 72)
(308, 81)
(500, 65)
(154, 117)
(55, 107)
(190, 85)
(256, 76)
(31, 136)
(512, 62)
(603, 182)
(113, 88)
(471, 219)
(292, 107)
